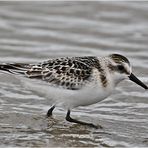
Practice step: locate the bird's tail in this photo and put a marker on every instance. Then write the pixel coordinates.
(14, 68)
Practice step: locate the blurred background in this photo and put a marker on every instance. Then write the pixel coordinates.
(37, 31)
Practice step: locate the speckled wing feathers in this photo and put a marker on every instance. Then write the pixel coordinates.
(71, 73)
(67, 72)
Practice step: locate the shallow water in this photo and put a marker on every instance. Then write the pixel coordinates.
(36, 31)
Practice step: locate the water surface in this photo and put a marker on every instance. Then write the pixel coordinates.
(37, 31)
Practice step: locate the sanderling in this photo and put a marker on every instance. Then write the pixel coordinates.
(75, 81)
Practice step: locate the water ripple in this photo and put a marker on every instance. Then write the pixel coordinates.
(32, 32)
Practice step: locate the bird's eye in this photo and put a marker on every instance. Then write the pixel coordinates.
(120, 67)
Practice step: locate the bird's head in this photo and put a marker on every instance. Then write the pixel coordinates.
(120, 69)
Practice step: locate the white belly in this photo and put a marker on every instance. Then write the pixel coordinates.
(69, 99)
(86, 96)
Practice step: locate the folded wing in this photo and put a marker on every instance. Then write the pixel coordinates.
(70, 73)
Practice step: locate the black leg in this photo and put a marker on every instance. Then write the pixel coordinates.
(68, 118)
(49, 113)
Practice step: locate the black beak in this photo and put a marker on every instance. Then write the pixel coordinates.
(133, 78)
